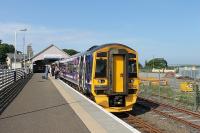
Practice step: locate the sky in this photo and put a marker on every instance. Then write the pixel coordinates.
(167, 29)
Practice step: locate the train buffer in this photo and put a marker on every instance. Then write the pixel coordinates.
(51, 106)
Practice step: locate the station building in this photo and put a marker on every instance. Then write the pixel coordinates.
(46, 57)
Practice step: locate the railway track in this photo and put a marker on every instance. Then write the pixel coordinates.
(181, 115)
(142, 125)
(138, 123)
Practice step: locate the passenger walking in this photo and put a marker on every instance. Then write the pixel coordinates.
(56, 71)
(49, 69)
(46, 71)
(52, 70)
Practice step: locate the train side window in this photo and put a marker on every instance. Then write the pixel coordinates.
(101, 67)
(132, 69)
(102, 54)
(88, 65)
(131, 55)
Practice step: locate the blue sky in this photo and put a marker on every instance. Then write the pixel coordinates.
(159, 28)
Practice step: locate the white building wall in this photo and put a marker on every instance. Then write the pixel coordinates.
(51, 52)
(8, 62)
(18, 65)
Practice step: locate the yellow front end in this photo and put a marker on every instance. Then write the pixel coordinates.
(101, 83)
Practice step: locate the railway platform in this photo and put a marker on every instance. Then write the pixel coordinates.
(54, 107)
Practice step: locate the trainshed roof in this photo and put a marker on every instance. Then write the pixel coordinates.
(50, 50)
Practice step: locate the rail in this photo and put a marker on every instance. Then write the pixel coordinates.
(184, 116)
(141, 124)
(11, 83)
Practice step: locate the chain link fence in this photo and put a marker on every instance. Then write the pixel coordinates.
(182, 92)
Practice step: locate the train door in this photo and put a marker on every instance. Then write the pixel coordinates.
(80, 71)
(118, 71)
(84, 72)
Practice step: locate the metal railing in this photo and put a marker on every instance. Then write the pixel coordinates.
(11, 83)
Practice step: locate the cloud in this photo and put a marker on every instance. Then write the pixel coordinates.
(41, 36)
(8, 28)
(81, 40)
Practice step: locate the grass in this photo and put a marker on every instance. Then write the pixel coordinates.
(174, 95)
(186, 98)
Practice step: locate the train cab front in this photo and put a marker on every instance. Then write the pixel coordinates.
(115, 78)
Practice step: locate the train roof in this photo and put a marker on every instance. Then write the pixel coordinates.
(95, 48)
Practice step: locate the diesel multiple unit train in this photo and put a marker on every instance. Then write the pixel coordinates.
(108, 74)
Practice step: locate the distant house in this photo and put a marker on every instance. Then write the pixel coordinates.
(10, 61)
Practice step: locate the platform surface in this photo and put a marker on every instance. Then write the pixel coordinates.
(40, 108)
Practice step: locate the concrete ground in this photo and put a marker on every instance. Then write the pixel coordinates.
(40, 108)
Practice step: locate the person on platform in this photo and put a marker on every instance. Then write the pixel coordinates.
(56, 71)
(52, 70)
(46, 71)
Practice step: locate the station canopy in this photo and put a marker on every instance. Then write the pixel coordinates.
(50, 53)
(47, 57)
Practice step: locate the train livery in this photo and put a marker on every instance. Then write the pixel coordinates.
(108, 74)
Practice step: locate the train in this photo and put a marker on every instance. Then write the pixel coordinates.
(107, 74)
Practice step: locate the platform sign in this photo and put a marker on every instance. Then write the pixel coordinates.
(52, 56)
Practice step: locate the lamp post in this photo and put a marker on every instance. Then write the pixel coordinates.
(153, 61)
(24, 30)
(15, 50)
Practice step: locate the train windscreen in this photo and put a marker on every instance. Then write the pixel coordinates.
(101, 66)
(132, 69)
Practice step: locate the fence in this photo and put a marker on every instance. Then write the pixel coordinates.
(190, 72)
(171, 94)
(11, 83)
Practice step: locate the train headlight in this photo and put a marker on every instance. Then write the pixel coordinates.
(131, 81)
(101, 81)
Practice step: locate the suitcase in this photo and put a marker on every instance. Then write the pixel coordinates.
(43, 77)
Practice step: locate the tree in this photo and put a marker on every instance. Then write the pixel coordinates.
(70, 51)
(140, 66)
(146, 62)
(4, 49)
(2, 54)
(158, 63)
